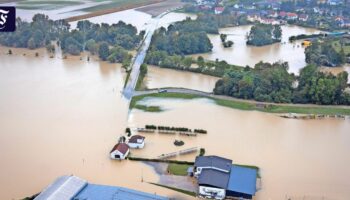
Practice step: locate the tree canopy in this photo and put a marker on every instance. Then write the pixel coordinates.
(264, 34)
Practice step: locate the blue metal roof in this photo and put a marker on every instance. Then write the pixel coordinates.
(99, 192)
(242, 180)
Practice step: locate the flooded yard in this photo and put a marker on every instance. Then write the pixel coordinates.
(303, 159)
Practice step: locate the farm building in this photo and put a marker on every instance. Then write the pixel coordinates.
(75, 188)
(120, 151)
(136, 142)
(218, 178)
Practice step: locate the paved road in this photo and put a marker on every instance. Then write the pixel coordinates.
(140, 57)
(211, 95)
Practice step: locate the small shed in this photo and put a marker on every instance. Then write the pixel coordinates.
(136, 142)
(120, 151)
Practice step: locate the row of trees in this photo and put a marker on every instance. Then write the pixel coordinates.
(110, 42)
(88, 36)
(272, 83)
(38, 33)
(264, 34)
(328, 53)
(213, 68)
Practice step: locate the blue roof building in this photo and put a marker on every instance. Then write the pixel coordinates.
(218, 178)
(75, 188)
(242, 182)
(98, 192)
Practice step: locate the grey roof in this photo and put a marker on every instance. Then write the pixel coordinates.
(213, 161)
(63, 188)
(214, 178)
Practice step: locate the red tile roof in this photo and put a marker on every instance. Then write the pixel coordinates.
(134, 138)
(121, 147)
(220, 9)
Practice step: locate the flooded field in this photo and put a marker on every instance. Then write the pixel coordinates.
(62, 117)
(160, 77)
(242, 54)
(137, 18)
(302, 159)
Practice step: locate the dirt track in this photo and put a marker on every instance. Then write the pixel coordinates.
(158, 8)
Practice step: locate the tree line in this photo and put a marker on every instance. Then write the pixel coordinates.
(214, 68)
(110, 42)
(272, 83)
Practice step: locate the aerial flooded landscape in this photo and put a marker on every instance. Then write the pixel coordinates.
(175, 99)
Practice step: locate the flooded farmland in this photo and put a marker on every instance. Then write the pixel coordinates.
(63, 117)
(301, 159)
(242, 54)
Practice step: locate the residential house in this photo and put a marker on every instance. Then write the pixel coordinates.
(291, 16)
(272, 14)
(334, 2)
(75, 188)
(218, 10)
(120, 151)
(282, 14)
(136, 142)
(303, 17)
(218, 178)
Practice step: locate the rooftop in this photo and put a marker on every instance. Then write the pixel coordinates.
(99, 192)
(121, 147)
(242, 180)
(135, 138)
(63, 188)
(214, 178)
(214, 162)
(75, 188)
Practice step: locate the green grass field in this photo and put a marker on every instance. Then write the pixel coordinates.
(251, 106)
(178, 169)
(46, 4)
(112, 4)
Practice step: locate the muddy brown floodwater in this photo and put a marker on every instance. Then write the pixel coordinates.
(299, 159)
(62, 117)
(160, 77)
(242, 54)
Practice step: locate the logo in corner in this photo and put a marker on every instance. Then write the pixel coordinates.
(7, 19)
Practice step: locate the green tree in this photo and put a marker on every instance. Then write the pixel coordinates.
(103, 51)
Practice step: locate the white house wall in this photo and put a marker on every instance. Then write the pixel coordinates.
(208, 191)
(136, 145)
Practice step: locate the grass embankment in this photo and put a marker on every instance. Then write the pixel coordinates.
(193, 194)
(135, 100)
(241, 105)
(178, 169)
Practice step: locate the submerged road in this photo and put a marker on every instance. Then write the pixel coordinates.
(140, 57)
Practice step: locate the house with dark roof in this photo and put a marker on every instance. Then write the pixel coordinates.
(75, 188)
(211, 162)
(218, 178)
(120, 151)
(136, 142)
